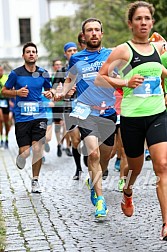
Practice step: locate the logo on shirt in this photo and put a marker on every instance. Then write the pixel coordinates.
(86, 58)
(136, 59)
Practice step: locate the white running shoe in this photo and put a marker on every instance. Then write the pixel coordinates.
(35, 186)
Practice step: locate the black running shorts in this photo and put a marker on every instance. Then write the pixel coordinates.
(134, 131)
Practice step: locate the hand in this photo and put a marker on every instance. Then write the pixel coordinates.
(23, 92)
(58, 96)
(135, 81)
(48, 94)
(71, 92)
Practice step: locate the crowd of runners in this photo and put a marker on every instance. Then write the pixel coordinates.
(103, 102)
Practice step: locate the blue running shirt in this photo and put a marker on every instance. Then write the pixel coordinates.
(85, 65)
(30, 107)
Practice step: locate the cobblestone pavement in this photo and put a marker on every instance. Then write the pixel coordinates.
(62, 217)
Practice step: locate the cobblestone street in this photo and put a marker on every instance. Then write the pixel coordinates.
(62, 217)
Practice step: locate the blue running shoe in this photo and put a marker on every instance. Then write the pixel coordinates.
(147, 155)
(93, 196)
(101, 208)
(117, 165)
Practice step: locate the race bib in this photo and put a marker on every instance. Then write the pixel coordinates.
(150, 86)
(3, 103)
(81, 111)
(29, 108)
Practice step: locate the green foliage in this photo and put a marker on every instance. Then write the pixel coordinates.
(55, 34)
(63, 29)
(112, 14)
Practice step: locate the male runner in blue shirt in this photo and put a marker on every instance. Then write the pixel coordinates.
(94, 111)
(26, 83)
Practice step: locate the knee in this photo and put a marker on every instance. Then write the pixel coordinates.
(94, 156)
(161, 167)
(25, 153)
(36, 149)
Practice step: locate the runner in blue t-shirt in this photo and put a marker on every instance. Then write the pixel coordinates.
(26, 83)
(94, 110)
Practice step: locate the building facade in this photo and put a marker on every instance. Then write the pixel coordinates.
(21, 21)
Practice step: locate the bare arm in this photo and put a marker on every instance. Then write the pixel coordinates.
(117, 59)
(69, 86)
(22, 92)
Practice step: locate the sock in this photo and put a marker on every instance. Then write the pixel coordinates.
(128, 195)
(77, 159)
(35, 178)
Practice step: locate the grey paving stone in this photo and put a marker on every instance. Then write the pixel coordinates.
(62, 217)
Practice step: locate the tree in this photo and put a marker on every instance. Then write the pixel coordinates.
(55, 34)
(63, 29)
(112, 15)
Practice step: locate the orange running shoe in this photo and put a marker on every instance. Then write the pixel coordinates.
(164, 233)
(127, 205)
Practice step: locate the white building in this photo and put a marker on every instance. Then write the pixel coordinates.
(21, 21)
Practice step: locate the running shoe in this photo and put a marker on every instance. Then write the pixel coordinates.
(6, 146)
(68, 152)
(43, 160)
(47, 147)
(127, 205)
(105, 175)
(75, 177)
(20, 162)
(93, 196)
(117, 165)
(147, 155)
(35, 186)
(59, 151)
(101, 207)
(164, 232)
(1, 143)
(121, 184)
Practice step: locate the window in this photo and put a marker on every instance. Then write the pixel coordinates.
(25, 30)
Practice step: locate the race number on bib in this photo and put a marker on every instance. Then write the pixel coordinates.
(81, 111)
(29, 108)
(3, 103)
(150, 86)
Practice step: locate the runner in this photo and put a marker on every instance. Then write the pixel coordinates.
(143, 112)
(26, 83)
(94, 112)
(4, 111)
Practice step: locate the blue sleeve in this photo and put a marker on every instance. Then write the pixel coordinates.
(47, 83)
(72, 65)
(11, 81)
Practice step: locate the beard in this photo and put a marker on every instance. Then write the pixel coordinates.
(92, 45)
(30, 62)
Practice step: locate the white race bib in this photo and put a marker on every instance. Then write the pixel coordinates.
(150, 86)
(81, 111)
(29, 108)
(3, 103)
